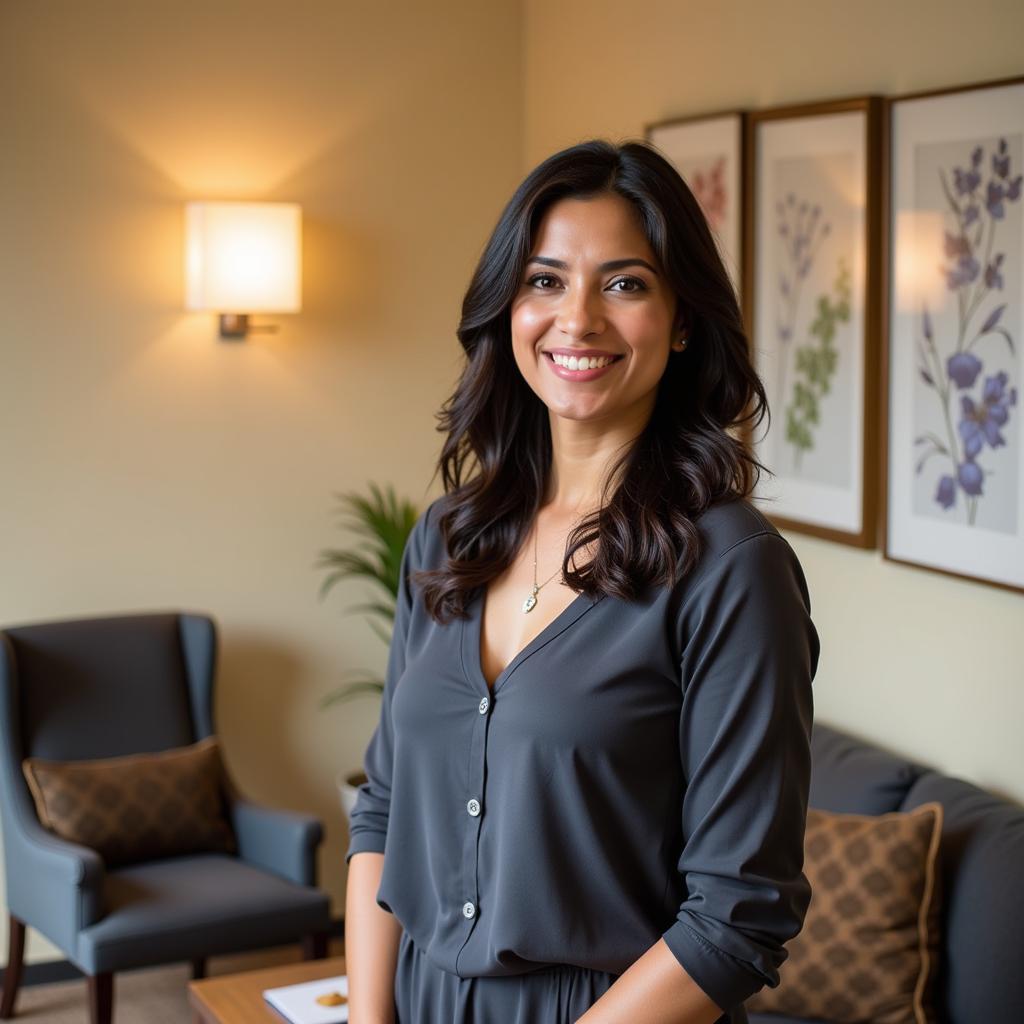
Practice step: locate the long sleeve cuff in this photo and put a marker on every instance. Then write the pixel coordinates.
(365, 842)
(726, 980)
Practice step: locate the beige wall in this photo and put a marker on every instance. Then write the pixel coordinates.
(927, 665)
(148, 465)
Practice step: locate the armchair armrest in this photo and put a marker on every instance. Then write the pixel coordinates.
(54, 885)
(283, 842)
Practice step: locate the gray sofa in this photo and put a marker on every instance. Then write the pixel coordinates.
(980, 974)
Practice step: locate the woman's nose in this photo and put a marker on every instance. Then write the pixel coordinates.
(579, 313)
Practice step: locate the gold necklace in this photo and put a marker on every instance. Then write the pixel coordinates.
(531, 601)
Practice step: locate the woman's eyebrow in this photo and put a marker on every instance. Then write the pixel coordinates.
(631, 261)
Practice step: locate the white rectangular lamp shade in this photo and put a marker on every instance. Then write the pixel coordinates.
(243, 257)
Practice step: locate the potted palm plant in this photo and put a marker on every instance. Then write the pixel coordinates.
(384, 522)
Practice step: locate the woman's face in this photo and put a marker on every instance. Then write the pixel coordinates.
(592, 287)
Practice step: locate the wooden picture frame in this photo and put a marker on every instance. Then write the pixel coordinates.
(953, 475)
(812, 306)
(708, 150)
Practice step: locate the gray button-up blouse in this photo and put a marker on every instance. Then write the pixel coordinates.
(640, 771)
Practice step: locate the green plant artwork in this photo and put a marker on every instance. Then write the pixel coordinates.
(815, 366)
(385, 522)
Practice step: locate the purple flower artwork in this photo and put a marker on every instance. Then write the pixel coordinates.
(975, 405)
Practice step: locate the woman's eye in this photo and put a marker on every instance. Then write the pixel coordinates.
(540, 277)
(640, 286)
(635, 282)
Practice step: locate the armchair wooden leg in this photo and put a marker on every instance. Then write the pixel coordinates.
(199, 968)
(12, 976)
(314, 946)
(101, 997)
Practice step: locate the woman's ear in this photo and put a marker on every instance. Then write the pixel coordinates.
(681, 323)
(680, 330)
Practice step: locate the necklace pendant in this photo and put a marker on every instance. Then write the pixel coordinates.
(529, 603)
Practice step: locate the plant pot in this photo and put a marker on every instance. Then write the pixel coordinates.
(348, 789)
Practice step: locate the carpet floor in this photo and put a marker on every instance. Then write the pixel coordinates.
(154, 995)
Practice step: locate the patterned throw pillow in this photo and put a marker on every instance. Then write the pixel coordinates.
(136, 807)
(870, 942)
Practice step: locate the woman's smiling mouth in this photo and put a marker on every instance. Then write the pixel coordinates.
(580, 366)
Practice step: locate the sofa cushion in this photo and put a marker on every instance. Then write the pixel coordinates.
(870, 942)
(775, 1018)
(136, 807)
(852, 777)
(981, 860)
(201, 905)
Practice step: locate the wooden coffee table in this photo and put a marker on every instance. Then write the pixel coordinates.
(238, 998)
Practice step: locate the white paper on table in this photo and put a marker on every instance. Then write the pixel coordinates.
(298, 1002)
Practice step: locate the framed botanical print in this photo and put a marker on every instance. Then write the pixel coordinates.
(708, 153)
(812, 308)
(954, 236)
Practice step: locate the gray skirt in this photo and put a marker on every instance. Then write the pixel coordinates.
(426, 994)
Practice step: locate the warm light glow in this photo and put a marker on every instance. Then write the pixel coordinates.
(919, 256)
(243, 257)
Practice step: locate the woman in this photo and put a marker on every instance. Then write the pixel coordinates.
(587, 792)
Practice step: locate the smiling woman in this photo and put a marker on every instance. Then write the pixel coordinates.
(588, 787)
(602, 250)
(589, 298)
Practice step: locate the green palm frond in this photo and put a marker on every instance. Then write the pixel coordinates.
(385, 523)
(384, 634)
(375, 608)
(369, 685)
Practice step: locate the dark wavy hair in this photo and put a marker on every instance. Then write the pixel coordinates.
(497, 454)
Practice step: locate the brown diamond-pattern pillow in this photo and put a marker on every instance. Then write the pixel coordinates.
(136, 807)
(869, 946)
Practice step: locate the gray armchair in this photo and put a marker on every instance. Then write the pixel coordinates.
(103, 687)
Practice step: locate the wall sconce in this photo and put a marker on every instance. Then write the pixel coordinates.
(243, 258)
